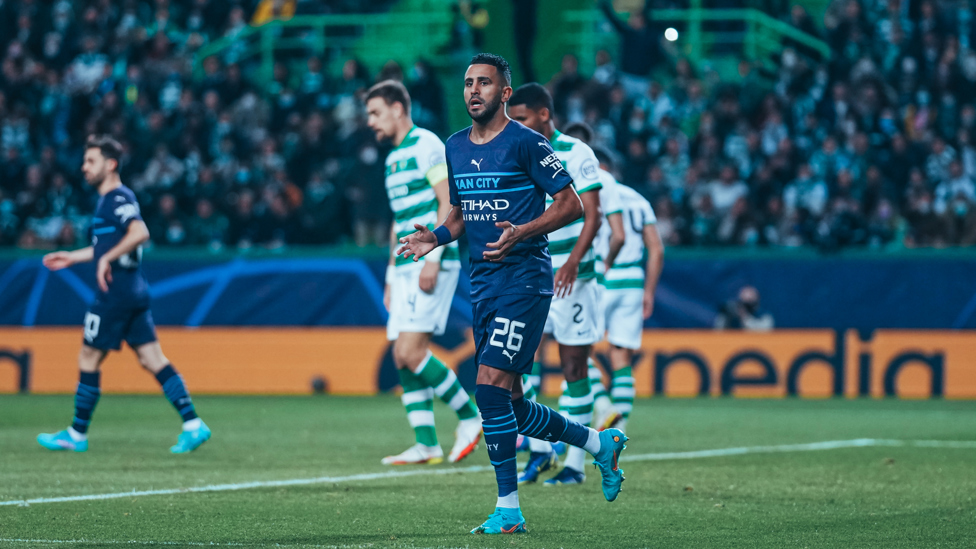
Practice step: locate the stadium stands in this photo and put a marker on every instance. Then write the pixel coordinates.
(873, 148)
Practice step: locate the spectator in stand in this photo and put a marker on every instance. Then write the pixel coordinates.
(639, 47)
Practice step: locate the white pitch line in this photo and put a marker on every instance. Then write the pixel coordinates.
(660, 456)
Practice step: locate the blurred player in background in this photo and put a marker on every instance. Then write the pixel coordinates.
(419, 294)
(121, 308)
(608, 243)
(499, 174)
(628, 297)
(574, 316)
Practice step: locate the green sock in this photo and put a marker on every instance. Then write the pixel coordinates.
(446, 386)
(529, 388)
(418, 399)
(623, 390)
(579, 408)
(535, 378)
(578, 401)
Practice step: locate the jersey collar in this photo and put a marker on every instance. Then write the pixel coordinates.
(405, 137)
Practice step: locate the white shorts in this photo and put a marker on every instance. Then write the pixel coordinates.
(623, 316)
(413, 310)
(575, 319)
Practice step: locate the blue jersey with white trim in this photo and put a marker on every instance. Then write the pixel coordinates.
(506, 179)
(113, 214)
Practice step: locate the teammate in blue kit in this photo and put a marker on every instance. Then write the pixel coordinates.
(499, 174)
(121, 307)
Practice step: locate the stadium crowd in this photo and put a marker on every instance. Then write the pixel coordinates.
(871, 148)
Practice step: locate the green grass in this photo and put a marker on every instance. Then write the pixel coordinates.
(856, 497)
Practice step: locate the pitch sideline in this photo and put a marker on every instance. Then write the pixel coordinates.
(659, 456)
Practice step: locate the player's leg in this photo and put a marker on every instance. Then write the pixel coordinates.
(624, 331)
(75, 437)
(576, 329)
(622, 390)
(605, 414)
(141, 336)
(514, 323)
(507, 330)
(542, 456)
(494, 394)
(194, 432)
(409, 350)
(576, 406)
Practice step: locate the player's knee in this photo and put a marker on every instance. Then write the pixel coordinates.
(151, 358)
(408, 355)
(89, 358)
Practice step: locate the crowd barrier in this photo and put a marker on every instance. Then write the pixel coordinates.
(685, 363)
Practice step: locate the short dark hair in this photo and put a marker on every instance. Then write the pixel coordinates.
(392, 92)
(603, 156)
(532, 95)
(580, 130)
(496, 61)
(107, 145)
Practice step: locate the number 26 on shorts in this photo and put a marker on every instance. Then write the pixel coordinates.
(508, 328)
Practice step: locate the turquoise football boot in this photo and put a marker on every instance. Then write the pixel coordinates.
(191, 440)
(503, 521)
(61, 441)
(611, 444)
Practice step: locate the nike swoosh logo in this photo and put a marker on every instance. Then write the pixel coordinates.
(512, 529)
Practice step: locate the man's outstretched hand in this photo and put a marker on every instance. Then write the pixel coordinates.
(417, 244)
(507, 241)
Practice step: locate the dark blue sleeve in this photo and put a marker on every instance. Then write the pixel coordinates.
(125, 212)
(542, 165)
(451, 186)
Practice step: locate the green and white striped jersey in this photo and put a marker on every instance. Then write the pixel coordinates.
(610, 201)
(411, 170)
(628, 267)
(581, 164)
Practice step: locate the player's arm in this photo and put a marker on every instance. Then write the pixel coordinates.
(617, 238)
(437, 177)
(56, 261)
(390, 266)
(135, 235)
(424, 241)
(566, 207)
(592, 218)
(655, 263)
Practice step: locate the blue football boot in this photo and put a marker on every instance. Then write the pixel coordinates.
(61, 441)
(539, 462)
(191, 440)
(567, 476)
(611, 444)
(503, 521)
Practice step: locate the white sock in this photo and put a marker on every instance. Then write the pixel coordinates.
(76, 436)
(508, 502)
(575, 457)
(193, 424)
(536, 445)
(593, 442)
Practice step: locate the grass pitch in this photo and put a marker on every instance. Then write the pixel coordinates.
(899, 496)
